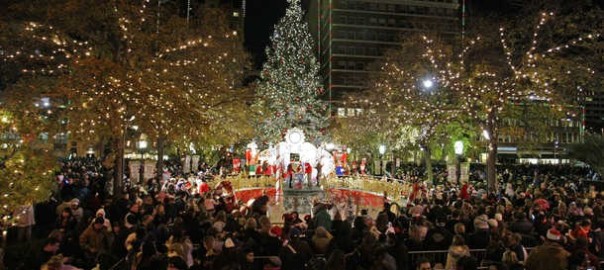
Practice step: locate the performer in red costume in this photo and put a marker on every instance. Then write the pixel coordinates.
(308, 173)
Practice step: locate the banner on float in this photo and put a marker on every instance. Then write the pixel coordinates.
(135, 166)
(195, 163)
(186, 167)
(149, 169)
(452, 173)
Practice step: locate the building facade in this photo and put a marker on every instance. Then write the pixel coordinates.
(350, 35)
(234, 9)
(534, 134)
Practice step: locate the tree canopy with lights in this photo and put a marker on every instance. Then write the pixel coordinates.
(498, 69)
(26, 173)
(289, 86)
(415, 89)
(500, 72)
(123, 64)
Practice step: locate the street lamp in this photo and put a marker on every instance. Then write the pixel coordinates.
(123, 145)
(90, 152)
(428, 83)
(458, 147)
(382, 150)
(487, 137)
(142, 146)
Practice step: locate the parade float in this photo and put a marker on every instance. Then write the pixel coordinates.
(296, 174)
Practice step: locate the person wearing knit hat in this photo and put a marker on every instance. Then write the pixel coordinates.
(550, 255)
(95, 239)
(553, 235)
(76, 209)
(107, 223)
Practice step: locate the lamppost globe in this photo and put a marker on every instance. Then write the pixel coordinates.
(458, 147)
(142, 145)
(427, 83)
(382, 149)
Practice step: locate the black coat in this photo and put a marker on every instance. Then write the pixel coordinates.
(479, 239)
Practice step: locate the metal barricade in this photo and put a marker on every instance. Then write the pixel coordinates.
(440, 256)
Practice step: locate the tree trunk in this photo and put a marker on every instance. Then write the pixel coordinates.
(428, 161)
(159, 167)
(118, 179)
(491, 166)
(393, 165)
(492, 153)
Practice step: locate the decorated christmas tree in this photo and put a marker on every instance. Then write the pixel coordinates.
(288, 91)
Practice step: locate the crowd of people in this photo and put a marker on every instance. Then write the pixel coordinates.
(539, 222)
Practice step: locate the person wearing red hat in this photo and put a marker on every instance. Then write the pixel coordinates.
(550, 255)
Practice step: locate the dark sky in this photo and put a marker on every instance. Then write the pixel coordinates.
(262, 15)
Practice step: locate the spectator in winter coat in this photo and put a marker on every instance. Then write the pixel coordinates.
(582, 257)
(321, 240)
(480, 238)
(550, 255)
(522, 225)
(107, 224)
(322, 217)
(295, 253)
(95, 238)
(458, 249)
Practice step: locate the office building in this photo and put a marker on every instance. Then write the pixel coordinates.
(350, 35)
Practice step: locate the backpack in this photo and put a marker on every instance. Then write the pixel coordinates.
(316, 263)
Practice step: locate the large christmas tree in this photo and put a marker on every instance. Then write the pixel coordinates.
(290, 83)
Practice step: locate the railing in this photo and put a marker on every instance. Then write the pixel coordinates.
(392, 188)
(440, 256)
(244, 182)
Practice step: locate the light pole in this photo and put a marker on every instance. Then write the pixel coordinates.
(382, 150)
(124, 137)
(142, 146)
(458, 146)
(487, 137)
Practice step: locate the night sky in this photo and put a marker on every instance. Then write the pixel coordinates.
(262, 15)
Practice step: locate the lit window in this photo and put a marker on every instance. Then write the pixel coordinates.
(235, 14)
